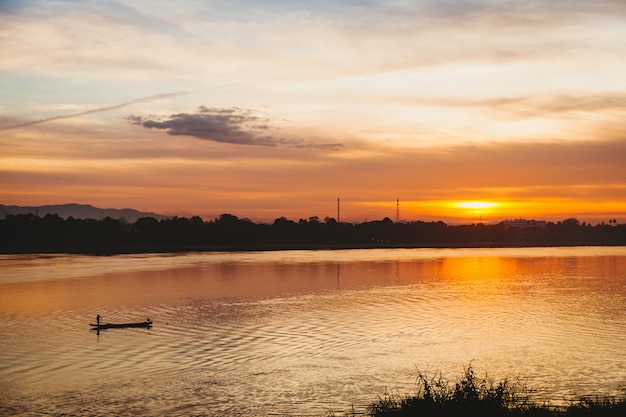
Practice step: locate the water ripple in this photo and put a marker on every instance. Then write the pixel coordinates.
(304, 352)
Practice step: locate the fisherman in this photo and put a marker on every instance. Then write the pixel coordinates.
(98, 319)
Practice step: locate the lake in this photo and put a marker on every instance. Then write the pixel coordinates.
(303, 332)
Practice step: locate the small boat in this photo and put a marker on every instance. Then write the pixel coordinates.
(101, 326)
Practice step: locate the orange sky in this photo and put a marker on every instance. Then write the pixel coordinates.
(279, 108)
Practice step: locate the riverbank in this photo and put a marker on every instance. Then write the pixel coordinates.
(471, 396)
(105, 250)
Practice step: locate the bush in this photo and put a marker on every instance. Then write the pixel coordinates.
(474, 397)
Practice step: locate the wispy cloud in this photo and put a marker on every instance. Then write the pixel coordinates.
(232, 125)
(538, 105)
(97, 110)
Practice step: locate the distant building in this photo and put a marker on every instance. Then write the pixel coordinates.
(524, 224)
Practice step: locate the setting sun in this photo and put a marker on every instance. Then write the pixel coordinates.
(476, 205)
(477, 210)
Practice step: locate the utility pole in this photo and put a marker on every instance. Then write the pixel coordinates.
(338, 211)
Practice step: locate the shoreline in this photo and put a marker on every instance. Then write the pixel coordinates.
(122, 250)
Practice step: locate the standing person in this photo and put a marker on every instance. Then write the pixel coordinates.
(98, 320)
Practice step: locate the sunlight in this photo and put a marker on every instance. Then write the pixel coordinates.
(477, 209)
(475, 205)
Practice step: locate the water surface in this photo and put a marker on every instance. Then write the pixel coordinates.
(303, 332)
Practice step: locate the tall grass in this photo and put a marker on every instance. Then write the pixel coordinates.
(471, 396)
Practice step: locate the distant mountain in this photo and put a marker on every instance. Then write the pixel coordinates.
(79, 211)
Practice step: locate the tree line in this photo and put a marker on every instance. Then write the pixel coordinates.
(29, 233)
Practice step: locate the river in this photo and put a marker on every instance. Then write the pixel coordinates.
(303, 332)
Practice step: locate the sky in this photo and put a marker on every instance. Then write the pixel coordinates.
(460, 110)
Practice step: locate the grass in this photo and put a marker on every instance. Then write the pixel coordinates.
(471, 396)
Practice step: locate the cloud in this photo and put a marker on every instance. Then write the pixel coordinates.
(523, 107)
(233, 125)
(98, 110)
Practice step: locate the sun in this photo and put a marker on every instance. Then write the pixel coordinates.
(478, 209)
(476, 205)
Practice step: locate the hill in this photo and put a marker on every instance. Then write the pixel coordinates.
(79, 211)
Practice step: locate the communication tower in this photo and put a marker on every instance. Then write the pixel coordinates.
(397, 209)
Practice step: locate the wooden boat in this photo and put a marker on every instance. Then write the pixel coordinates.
(102, 326)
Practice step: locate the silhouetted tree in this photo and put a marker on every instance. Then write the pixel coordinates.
(28, 232)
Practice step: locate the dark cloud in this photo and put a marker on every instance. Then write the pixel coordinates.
(233, 125)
